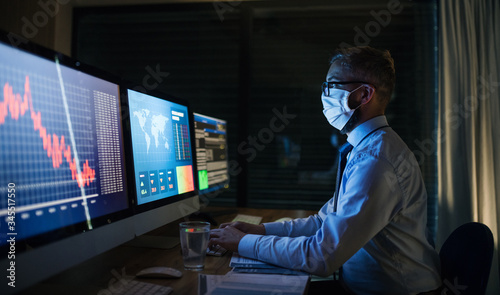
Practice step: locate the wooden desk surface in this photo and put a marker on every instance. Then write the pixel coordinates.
(103, 273)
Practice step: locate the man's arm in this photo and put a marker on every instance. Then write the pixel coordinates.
(230, 234)
(367, 204)
(296, 227)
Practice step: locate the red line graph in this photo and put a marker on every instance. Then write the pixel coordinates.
(56, 147)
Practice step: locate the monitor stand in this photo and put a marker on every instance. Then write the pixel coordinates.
(158, 242)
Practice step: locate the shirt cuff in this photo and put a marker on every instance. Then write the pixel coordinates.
(248, 246)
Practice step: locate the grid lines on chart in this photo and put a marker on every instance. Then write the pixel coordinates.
(31, 159)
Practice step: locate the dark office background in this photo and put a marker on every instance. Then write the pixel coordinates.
(248, 62)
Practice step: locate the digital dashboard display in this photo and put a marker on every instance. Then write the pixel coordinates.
(161, 144)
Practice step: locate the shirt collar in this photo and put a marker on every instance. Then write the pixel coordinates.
(357, 135)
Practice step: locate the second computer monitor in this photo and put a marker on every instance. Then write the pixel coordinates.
(162, 166)
(161, 144)
(211, 154)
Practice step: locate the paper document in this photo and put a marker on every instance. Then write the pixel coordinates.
(246, 265)
(240, 261)
(251, 284)
(252, 219)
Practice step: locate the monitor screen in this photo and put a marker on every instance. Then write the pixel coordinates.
(211, 153)
(161, 147)
(65, 193)
(62, 161)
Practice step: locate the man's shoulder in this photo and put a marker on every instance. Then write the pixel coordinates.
(383, 144)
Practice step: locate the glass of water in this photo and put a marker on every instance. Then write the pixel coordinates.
(194, 236)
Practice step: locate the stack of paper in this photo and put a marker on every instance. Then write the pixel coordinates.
(251, 284)
(246, 265)
(250, 276)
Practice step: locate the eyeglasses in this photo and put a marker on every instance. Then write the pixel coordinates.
(327, 85)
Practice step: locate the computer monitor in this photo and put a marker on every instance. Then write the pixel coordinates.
(162, 163)
(63, 194)
(211, 154)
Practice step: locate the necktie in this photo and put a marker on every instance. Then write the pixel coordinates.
(342, 160)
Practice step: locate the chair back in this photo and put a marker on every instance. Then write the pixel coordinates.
(466, 258)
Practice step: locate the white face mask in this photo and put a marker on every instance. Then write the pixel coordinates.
(336, 107)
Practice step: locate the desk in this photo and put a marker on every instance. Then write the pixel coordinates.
(104, 271)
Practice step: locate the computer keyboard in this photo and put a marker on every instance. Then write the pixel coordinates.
(133, 287)
(217, 250)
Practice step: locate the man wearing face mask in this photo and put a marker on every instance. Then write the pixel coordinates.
(374, 228)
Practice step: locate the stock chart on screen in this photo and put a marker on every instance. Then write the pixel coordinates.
(60, 144)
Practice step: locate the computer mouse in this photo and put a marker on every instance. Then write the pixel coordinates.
(160, 272)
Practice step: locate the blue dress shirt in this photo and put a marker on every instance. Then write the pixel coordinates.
(377, 235)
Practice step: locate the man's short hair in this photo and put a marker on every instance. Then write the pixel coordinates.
(371, 65)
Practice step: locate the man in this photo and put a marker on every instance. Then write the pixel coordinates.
(374, 228)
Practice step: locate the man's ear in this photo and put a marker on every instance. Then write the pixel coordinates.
(368, 93)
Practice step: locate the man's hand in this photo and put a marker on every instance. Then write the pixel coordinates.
(229, 235)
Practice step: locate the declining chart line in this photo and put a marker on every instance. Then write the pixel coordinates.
(56, 147)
